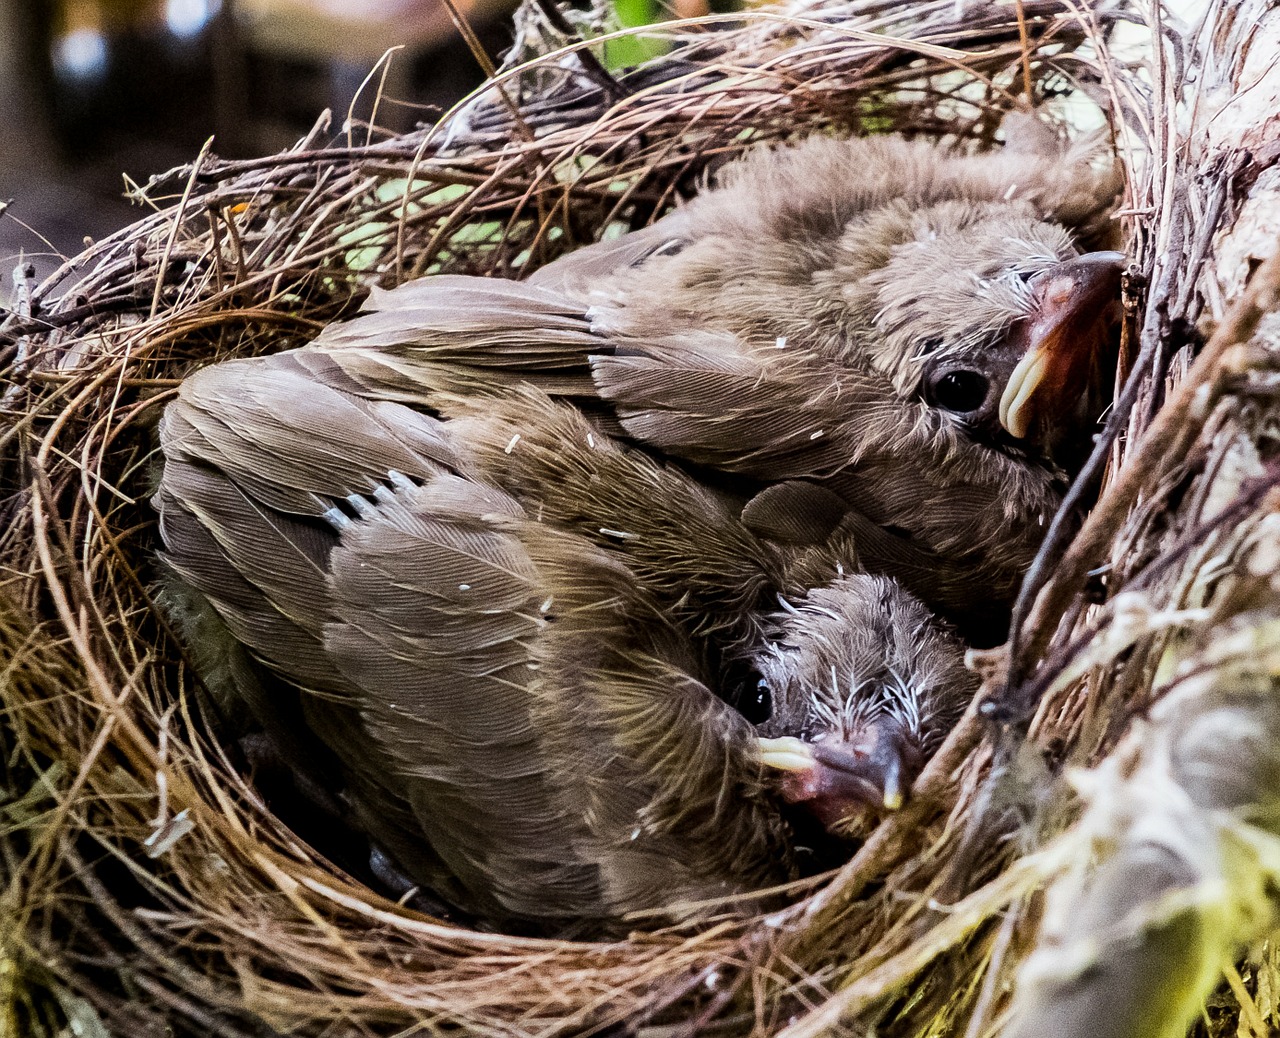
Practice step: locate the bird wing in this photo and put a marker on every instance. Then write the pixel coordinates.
(544, 719)
(276, 509)
(664, 770)
(453, 334)
(480, 676)
(255, 455)
(712, 398)
(437, 612)
(681, 540)
(702, 395)
(292, 433)
(251, 469)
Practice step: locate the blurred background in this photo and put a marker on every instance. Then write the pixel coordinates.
(91, 90)
(94, 93)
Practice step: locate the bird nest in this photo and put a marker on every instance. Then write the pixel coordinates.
(148, 888)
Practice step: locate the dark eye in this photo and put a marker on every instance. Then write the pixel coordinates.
(758, 705)
(959, 391)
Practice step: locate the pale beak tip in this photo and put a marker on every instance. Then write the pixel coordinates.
(894, 792)
(1016, 423)
(1015, 402)
(785, 754)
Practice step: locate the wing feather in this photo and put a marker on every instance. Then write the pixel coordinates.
(292, 443)
(663, 769)
(442, 661)
(457, 334)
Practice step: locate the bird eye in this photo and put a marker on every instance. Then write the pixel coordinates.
(959, 391)
(761, 706)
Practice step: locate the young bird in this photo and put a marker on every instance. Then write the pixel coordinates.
(503, 645)
(870, 333)
(508, 557)
(864, 686)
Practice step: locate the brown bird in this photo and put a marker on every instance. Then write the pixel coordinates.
(478, 626)
(871, 332)
(851, 356)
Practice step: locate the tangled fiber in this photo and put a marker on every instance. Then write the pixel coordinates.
(148, 889)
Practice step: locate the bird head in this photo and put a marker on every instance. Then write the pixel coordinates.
(863, 685)
(988, 316)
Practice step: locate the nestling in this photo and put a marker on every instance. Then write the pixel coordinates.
(524, 717)
(509, 558)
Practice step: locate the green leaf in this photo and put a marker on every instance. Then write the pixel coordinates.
(635, 49)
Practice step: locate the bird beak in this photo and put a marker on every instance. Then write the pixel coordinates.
(785, 754)
(837, 779)
(1064, 334)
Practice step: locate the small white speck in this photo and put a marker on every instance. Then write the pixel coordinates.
(512, 445)
(1013, 190)
(168, 832)
(464, 587)
(591, 440)
(635, 833)
(839, 569)
(713, 980)
(781, 344)
(545, 607)
(818, 435)
(622, 535)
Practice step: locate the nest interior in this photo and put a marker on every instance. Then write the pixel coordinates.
(148, 889)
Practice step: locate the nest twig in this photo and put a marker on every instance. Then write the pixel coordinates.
(146, 883)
